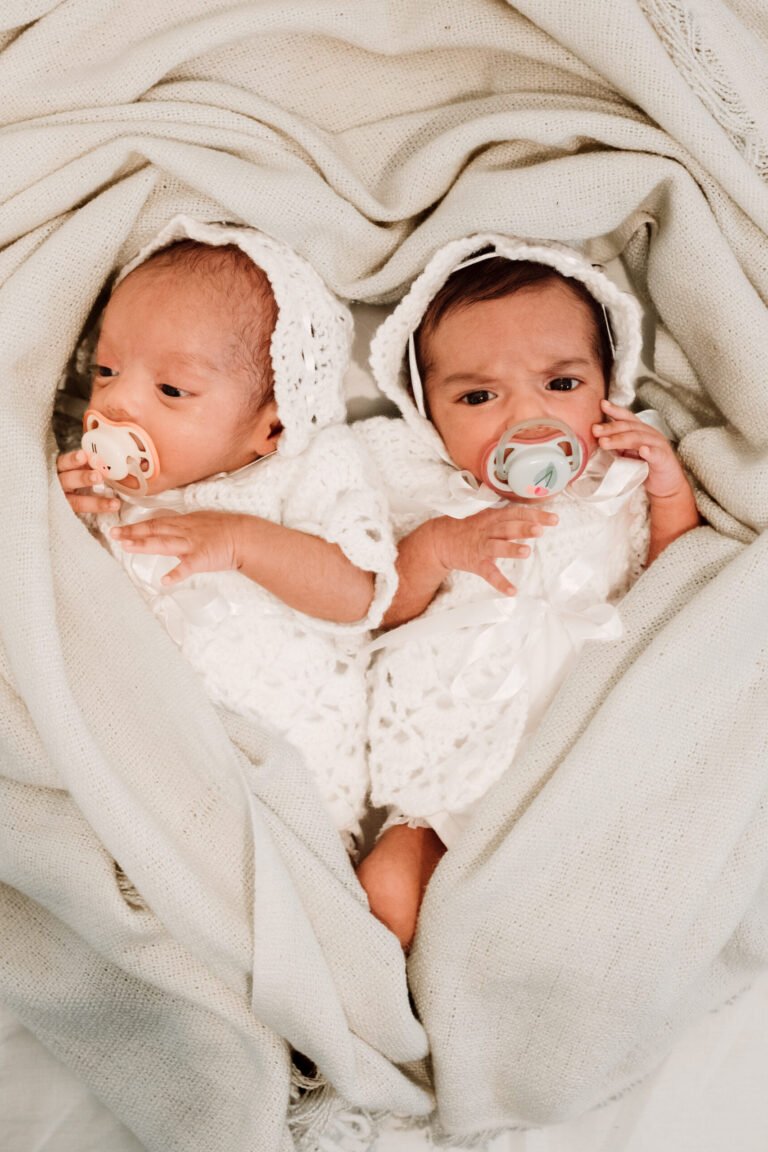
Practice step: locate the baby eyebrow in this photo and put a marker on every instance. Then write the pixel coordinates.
(196, 362)
(565, 365)
(481, 378)
(468, 378)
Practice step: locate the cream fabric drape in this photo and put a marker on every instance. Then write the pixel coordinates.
(612, 889)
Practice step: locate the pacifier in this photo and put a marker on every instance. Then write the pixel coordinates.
(534, 459)
(121, 451)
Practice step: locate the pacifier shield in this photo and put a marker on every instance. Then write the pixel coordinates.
(534, 460)
(122, 452)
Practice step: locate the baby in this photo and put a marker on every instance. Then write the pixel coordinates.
(513, 364)
(246, 517)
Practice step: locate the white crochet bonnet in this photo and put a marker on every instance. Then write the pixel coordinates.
(311, 341)
(389, 360)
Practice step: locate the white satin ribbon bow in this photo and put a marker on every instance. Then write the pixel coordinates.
(184, 606)
(534, 631)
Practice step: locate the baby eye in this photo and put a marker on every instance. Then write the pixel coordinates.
(563, 384)
(102, 370)
(175, 393)
(479, 396)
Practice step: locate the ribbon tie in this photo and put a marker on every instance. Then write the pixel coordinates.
(537, 634)
(184, 606)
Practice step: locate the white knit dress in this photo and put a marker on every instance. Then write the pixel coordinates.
(455, 692)
(257, 657)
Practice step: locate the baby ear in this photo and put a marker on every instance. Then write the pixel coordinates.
(266, 429)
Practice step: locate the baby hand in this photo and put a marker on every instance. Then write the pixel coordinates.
(76, 478)
(477, 542)
(625, 434)
(203, 541)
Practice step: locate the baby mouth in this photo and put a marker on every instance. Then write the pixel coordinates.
(538, 432)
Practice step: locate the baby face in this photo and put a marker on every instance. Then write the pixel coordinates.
(531, 355)
(167, 360)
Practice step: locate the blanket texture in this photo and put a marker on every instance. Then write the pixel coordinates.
(176, 909)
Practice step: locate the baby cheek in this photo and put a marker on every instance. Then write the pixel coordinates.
(473, 457)
(461, 445)
(591, 415)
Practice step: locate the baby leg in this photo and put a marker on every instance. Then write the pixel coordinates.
(395, 874)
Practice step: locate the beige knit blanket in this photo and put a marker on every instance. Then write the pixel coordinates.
(612, 889)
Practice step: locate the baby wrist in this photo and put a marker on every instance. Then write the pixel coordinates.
(439, 536)
(244, 544)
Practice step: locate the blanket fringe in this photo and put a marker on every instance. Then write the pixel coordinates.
(698, 62)
(322, 1121)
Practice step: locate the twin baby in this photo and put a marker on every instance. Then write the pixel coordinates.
(488, 532)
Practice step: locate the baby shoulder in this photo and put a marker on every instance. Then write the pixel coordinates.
(411, 474)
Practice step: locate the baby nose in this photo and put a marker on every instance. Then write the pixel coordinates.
(524, 408)
(117, 400)
(117, 415)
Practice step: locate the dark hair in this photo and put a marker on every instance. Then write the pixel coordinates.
(493, 279)
(249, 298)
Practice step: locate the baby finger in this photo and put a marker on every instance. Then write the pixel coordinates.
(616, 412)
(614, 426)
(83, 502)
(490, 572)
(522, 530)
(520, 522)
(655, 453)
(180, 572)
(70, 461)
(76, 478)
(190, 565)
(532, 514)
(156, 526)
(624, 441)
(156, 545)
(508, 550)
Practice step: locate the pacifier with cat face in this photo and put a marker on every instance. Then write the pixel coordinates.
(122, 452)
(534, 459)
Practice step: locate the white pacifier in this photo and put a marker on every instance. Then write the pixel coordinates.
(528, 466)
(121, 452)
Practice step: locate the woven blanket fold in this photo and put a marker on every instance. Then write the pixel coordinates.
(177, 911)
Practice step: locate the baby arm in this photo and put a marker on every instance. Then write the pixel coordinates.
(304, 571)
(671, 501)
(428, 555)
